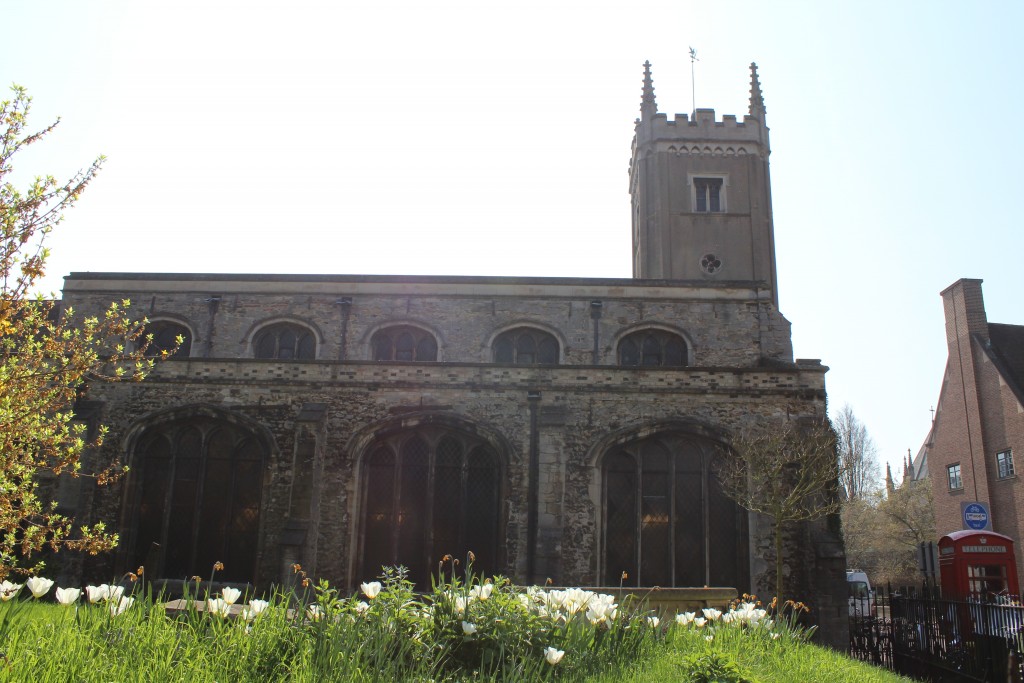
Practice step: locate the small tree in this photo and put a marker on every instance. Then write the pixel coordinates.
(788, 473)
(858, 463)
(47, 358)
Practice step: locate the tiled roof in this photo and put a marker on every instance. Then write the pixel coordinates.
(1007, 351)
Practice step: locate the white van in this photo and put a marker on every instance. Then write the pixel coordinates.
(862, 599)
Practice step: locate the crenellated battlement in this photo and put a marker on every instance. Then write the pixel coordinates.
(700, 190)
(704, 127)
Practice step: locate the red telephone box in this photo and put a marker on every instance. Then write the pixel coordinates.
(977, 563)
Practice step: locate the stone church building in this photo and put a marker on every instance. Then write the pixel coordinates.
(560, 428)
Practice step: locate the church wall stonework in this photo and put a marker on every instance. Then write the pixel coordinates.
(327, 446)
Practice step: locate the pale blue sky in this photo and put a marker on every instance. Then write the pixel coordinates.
(493, 138)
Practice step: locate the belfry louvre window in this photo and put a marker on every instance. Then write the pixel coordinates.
(285, 341)
(653, 348)
(666, 520)
(165, 337)
(526, 346)
(197, 492)
(709, 195)
(429, 493)
(404, 342)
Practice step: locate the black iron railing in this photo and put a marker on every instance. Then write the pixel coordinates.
(923, 634)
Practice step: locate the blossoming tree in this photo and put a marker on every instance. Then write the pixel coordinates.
(48, 357)
(789, 473)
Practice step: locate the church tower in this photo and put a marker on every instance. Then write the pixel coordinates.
(701, 195)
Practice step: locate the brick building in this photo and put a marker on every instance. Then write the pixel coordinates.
(979, 420)
(560, 428)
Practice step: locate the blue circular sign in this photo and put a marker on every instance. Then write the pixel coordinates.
(975, 516)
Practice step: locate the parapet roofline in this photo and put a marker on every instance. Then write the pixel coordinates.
(435, 285)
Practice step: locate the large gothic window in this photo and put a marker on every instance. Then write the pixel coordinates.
(165, 337)
(667, 521)
(404, 342)
(526, 346)
(285, 341)
(198, 488)
(428, 493)
(653, 348)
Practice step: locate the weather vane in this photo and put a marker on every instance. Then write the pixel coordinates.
(693, 86)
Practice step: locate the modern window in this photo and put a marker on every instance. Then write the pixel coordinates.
(666, 520)
(1004, 463)
(709, 195)
(198, 488)
(653, 348)
(404, 342)
(165, 337)
(526, 346)
(428, 493)
(953, 477)
(285, 341)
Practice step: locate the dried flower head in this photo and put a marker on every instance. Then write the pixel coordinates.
(218, 566)
(296, 568)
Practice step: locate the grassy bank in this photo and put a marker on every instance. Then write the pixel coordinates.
(462, 631)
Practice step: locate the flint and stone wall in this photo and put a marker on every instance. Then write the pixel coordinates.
(321, 415)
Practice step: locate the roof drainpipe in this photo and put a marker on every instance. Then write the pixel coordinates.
(533, 495)
(595, 313)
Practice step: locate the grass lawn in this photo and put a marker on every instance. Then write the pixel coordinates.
(781, 661)
(482, 631)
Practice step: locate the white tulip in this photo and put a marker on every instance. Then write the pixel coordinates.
(97, 593)
(39, 586)
(230, 595)
(9, 590)
(68, 596)
(553, 656)
(120, 605)
(371, 589)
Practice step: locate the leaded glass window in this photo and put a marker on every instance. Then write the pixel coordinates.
(428, 493)
(526, 346)
(666, 520)
(653, 348)
(404, 342)
(285, 341)
(165, 337)
(199, 486)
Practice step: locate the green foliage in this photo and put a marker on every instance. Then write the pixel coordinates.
(788, 472)
(712, 666)
(47, 359)
(389, 634)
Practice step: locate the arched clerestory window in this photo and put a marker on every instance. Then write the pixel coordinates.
(285, 341)
(165, 337)
(653, 348)
(666, 520)
(197, 487)
(526, 346)
(404, 342)
(430, 492)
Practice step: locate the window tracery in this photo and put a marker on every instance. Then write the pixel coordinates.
(666, 520)
(428, 493)
(653, 348)
(404, 343)
(285, 341)
(526, 346)
(165, 337)
(198, 491)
